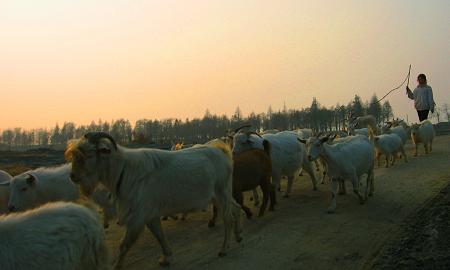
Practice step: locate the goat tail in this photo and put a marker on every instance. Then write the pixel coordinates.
(224, 147)
(371, 134)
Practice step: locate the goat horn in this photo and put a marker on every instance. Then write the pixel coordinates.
(256, 133)
(94, 137)
(241, 127)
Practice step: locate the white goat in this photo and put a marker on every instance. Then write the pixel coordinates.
(288, 154)
(4, 191)
(362, 122)
(346, 160)
(389, 145)
(37, 187)
(304, 133)
(150, 183)
(398, 130)
(423, 133)
(322, 161)
(56, 236)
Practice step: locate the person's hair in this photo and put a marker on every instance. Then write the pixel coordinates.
(422, 76)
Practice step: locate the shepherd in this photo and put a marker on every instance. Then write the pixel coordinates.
(423, 97)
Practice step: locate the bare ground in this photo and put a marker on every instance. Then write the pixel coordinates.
(300, 234)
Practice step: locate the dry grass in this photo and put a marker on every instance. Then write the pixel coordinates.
(15, 169)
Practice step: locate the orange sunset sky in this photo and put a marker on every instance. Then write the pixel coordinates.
(84, 60)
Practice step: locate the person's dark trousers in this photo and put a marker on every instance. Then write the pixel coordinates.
(423, 115)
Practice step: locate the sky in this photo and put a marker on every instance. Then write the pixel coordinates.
(83, 60)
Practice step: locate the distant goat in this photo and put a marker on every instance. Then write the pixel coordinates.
(361, 122)
(423, 133)
(389, 145)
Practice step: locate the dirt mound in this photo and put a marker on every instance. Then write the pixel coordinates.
(424, 239)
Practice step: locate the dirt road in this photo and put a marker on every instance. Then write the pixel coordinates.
(300, 234)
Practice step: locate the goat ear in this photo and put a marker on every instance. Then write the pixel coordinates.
(301, 140)
(31, 179)
(332, 137)
(104, 147)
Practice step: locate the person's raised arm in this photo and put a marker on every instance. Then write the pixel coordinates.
(409, 93)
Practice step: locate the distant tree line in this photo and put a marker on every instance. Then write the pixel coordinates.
(199, 130)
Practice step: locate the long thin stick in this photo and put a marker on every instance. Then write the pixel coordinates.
(409, 73)
(407, 78)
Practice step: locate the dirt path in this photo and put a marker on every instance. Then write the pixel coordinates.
(300, 234)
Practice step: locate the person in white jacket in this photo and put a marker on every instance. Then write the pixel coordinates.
(423, 97)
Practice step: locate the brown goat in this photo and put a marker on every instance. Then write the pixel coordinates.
(252, 168)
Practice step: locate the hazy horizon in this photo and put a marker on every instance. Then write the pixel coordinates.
(81, 61)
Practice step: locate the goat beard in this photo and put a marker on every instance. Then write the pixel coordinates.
(87, 189)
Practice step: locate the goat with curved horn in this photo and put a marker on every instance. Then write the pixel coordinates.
(94, 137)
(241, 127)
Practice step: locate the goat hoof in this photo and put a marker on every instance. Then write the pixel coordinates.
(117, 265)
(239, 239)
(211, 224)
(163, 261)
(331, 210)
(222, 254)
(286, 196)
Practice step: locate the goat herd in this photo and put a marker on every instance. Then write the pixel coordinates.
(46, 225)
